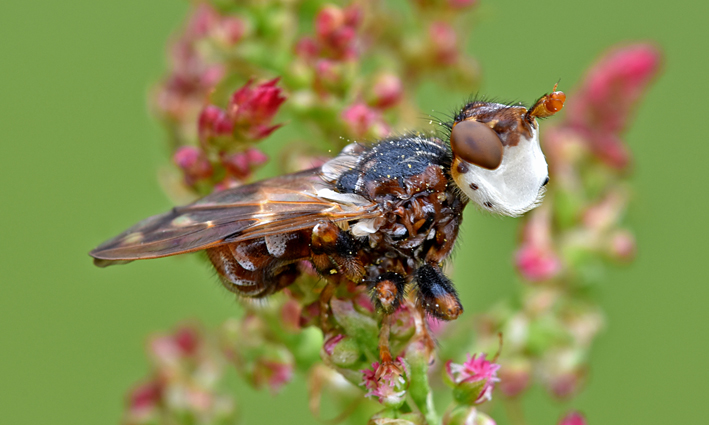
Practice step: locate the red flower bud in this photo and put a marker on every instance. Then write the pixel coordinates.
(307, 49)
(204, 19)
(231, 29)
(251, 109)
(213, 121)
(602, 107)
(336, 30)
(145, 396)
(193, 164)
(573, 418)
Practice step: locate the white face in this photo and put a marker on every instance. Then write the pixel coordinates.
(511, 189)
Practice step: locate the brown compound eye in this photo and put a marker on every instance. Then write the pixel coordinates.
(477, 144)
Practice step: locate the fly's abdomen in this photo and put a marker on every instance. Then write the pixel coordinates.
(259, 267)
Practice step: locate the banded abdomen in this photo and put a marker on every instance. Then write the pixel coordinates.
(259, 267)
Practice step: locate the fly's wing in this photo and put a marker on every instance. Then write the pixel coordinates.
(278, 205)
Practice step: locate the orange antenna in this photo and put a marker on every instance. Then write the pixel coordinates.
(547, 105)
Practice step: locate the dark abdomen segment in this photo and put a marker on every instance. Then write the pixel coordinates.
(260, 267)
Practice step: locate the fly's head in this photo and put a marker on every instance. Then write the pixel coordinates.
(497, 160)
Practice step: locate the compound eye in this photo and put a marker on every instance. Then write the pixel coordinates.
(477, 144)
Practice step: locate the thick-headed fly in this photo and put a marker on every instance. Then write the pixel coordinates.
(385, 215)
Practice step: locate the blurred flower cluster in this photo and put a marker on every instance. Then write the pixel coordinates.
(326, 74)
(550, 326)
(185, 383)
(347, 71)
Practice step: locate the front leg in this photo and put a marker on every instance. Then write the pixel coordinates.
(436, 294)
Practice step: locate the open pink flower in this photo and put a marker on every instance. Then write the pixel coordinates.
(388, 383)
(475, 370)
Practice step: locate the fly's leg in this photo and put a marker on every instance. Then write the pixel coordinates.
(384, 351)
(424, 333)
(435, 293)
(334, 255)
(325, 297)
(334, 252)
(387, 294)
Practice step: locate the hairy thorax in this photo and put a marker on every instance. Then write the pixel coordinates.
(421, 208)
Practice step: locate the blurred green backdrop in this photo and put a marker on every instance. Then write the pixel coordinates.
(79, 159)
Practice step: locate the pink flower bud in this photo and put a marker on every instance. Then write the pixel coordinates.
(214, 121)
(277, 374)
(193, 164)
(536, 264)
(573, 418)
(444, 41)
(187, 339)
(307, 49)
(328, 76)
(535, 259)
(242, 164)
(362, 120)
(387, 91)
(251, 109)
(336, 30)
(231, 29)
(604, 214)
(144, 397)
(256, 157)
(237, 165)
(211, 76)
(331, 342)
(203, 20)
(329, 19)
(622, 245)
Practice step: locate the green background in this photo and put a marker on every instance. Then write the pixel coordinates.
(78, 163)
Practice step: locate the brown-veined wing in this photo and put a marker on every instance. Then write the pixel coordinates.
(278, 205)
